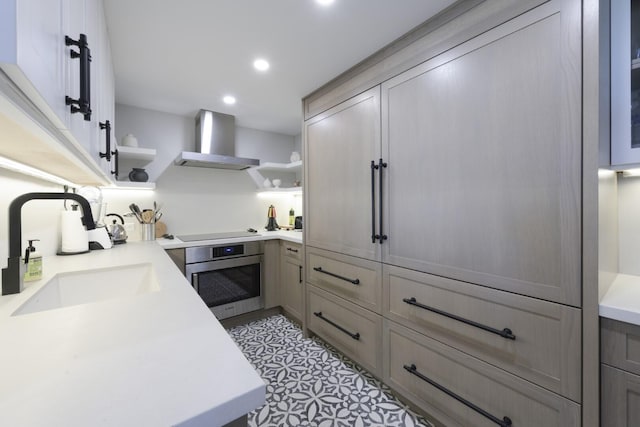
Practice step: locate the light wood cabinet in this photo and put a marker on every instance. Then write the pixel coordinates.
(340, 146)
(483, 144)
(619, 373)
(355, 331)
(620, 398)
(291, 279)
(534, 339)
(498, 393)
(355, 279)
(481, 204)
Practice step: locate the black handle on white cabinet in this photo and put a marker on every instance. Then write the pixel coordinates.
(106, 126)
(300, 274)
(83, 104)
(295, 251)
(504, 333)
(381, 166)
(504, 422)
(355, 336)
(337, 276)
(115, 157)
(374, 236)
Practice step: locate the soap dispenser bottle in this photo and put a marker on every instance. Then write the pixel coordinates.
(33, 260)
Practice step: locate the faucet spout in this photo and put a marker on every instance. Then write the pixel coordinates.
(12, 279)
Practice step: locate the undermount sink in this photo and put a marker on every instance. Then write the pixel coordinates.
(90, 286)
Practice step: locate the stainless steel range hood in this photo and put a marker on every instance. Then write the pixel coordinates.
(215, 144)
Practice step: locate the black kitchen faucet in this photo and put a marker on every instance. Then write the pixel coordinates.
(12, 279)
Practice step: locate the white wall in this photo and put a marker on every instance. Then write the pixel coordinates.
(629, 224)
(40, 218)
(199, 200)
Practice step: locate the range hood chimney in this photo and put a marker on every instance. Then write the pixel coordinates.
(215, 144)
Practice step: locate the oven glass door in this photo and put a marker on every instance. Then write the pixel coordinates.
(227, 281)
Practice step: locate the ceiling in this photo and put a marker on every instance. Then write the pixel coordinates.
(181, 56)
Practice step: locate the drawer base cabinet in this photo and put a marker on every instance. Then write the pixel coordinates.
(620, 374)
(620, 398)
(354, 331)
(533, 339)
(460, 390)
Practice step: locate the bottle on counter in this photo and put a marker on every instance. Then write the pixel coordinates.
(33, 259)
(292, 217)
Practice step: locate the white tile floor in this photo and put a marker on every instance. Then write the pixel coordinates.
(309, 383)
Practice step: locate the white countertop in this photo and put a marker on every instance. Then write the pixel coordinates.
(622, 300)
(290, 236)
(156, 359)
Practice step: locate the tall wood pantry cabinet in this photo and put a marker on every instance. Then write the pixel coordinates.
(456, 183)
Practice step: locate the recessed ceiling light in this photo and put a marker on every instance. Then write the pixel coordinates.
(324, 2)
(261, 65)
(229, 100)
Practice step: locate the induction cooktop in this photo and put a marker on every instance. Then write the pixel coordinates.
(215, 236)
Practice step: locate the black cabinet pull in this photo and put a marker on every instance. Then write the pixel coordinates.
(106, 126)
(292, 250)
(300, 274)
(374, 236)
(337, 276)
(382, 237)
(82, 104)
(504, 422)
(355, 336)
(505, 333)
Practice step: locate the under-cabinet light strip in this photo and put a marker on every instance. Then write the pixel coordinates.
(31, 171)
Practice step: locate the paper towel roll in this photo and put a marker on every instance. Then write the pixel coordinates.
(74, 235)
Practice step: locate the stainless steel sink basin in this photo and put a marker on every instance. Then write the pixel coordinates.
(90, 286)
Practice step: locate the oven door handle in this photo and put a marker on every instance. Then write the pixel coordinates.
(195, 282)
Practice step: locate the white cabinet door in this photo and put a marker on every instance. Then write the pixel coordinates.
(78, 21)
(340, 146)
(105, 102)
(484, 159)
(31, 50)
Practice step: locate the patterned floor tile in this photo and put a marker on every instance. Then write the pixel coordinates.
(309, 383)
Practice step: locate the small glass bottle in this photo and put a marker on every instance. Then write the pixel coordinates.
(292, 217)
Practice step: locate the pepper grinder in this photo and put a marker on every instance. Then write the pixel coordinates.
(272, 224)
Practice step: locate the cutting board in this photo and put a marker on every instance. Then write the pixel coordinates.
(161, 229)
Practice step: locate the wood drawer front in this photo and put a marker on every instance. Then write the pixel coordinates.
(366, 350)
(338, 272)
(499, 393)
(547, 335)
(620, 403)
(291, 250)
(620, 345)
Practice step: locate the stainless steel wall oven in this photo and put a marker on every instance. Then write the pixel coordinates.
(227, 277)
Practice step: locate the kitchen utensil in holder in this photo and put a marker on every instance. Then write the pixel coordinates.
(148, 231)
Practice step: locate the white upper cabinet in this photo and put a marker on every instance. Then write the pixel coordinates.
(625, 83)
(53, 52)
(31, 52)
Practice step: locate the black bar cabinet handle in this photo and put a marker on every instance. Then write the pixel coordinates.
(82, 104)
(106, 126)
(299, 274)
(505, 333)
(355, 336)
(115, 171)
(292, 250)
(381, 165)
(374, 236)
(337, 276)
(504, 422)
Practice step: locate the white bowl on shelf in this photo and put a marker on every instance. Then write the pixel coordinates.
(276, 183)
